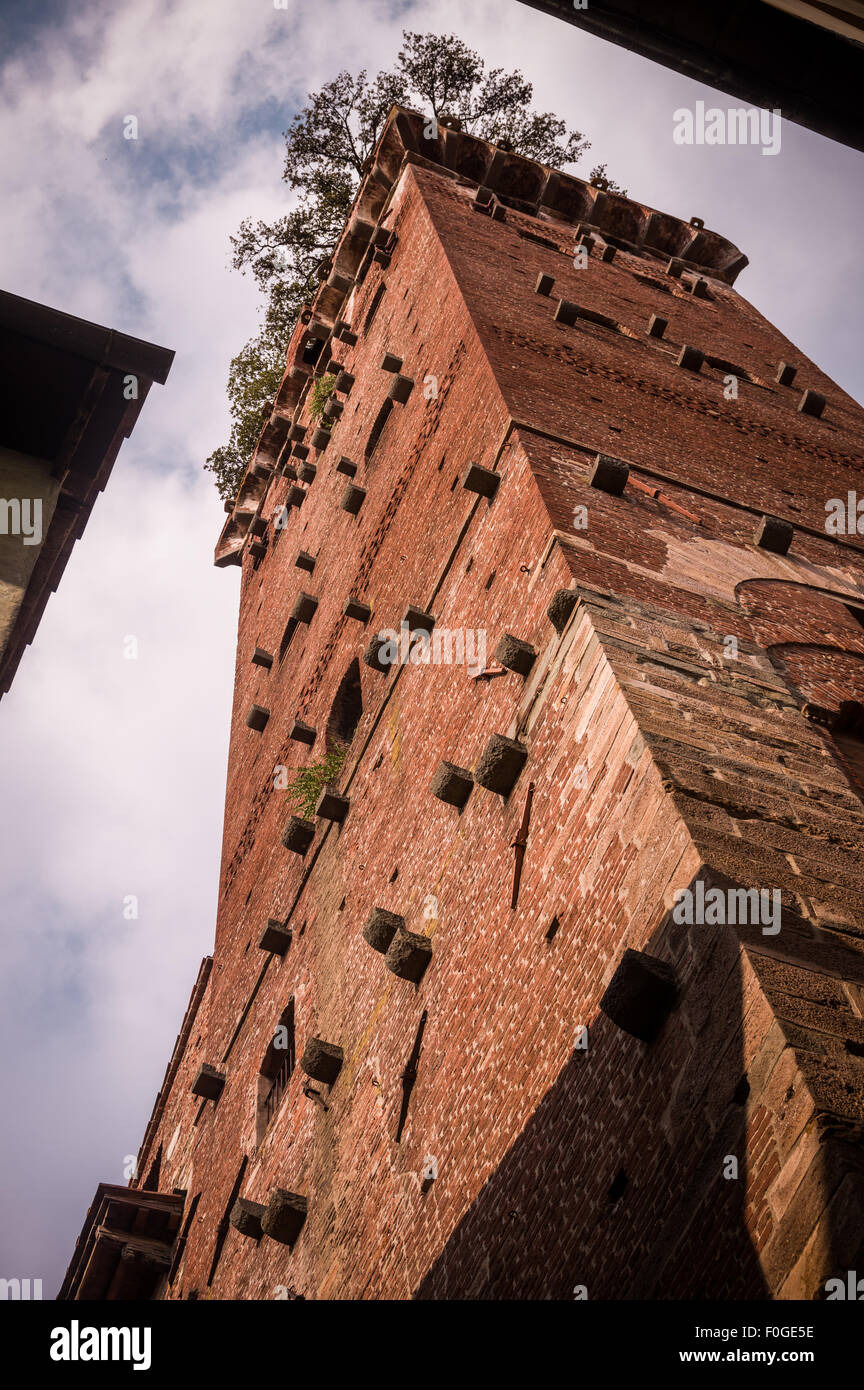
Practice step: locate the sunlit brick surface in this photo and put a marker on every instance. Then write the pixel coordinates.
(660, 751)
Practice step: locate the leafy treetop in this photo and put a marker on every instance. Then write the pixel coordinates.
(326, 147)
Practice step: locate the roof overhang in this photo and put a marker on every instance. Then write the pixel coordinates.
(125, 1246)
(68, 401)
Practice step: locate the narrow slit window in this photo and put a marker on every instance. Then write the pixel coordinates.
(378, 428)
(277, 1068)
(290, 629)
(373, 308)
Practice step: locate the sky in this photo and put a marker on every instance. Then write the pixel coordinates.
(113, 770)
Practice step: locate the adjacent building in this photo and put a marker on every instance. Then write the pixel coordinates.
(72, 394)
(803, 57)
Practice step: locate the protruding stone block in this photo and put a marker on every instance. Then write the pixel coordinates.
(302, 733)
(515, 654)
(400, 388)
(674, 267)
(308, 472)
(258, 526)
(452, 784)
(774, 535)
(295, 496)
(481, 480)
(257, 549)
(372, 655)
(297, 434)
(500, 764)
(691, 358)
(609, 474)
(257, 718)
(544, 284)
(640, 995)
(320, 439)
(381, 927)
(567, 312)
(347, 467)
(352, 499)
(331, 806)
(289, 471)
(246, 1217)
(418, 619)
(657, 326)
(344, 382)
(391, 363)
(785, 374)
(355, 608)
(262, 658)
(304, 608)
(284, 1216)
(333, 409)
(811, 403)
(301, 452)
(298, 835)
(275, 937)
(408, 955)
(559, 610)
(208, 1082)
(608, 253)
(322, 1060)
(305, 561)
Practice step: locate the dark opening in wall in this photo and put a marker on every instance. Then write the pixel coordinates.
(276, 1068)
(373, 307)
(618, 1187)
(290, 629)
(346, 710)
(222, 1229)
(181, 1243)
(377, 429)
(856, 613)
(151, 1183)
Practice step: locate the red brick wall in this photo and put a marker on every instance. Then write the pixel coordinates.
(696, 763)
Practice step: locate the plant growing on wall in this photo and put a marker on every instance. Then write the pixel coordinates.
(318, 398)
(326, 147)
(307, 786)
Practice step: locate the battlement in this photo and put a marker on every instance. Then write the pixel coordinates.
(501, 181)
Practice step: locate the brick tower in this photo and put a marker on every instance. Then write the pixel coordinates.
(545, 605)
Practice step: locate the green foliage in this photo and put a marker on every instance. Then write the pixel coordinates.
(320, 394)
(599, 179)
(326, 147)
(304, 791)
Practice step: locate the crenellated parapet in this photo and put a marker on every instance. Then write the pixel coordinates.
(502, 180)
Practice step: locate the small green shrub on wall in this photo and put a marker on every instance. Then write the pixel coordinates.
(304, 791)
(320, 394)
